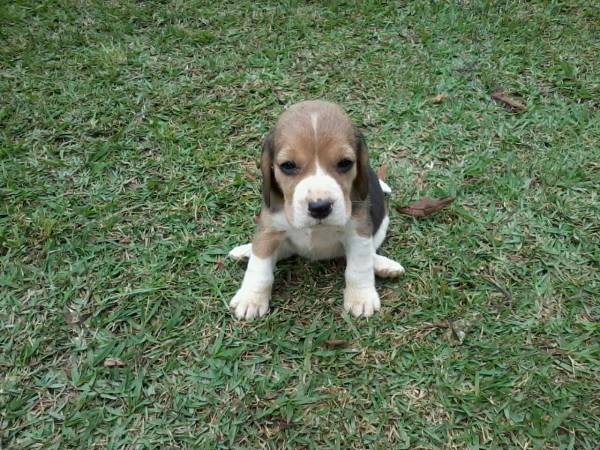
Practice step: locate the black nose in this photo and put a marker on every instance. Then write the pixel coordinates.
(320, 209)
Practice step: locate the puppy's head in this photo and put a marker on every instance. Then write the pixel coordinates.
(314, 165)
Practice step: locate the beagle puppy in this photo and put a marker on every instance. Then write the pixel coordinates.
(321, 200)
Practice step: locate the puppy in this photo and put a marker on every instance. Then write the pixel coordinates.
(321, 200)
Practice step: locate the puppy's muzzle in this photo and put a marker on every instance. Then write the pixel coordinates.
(319, 209)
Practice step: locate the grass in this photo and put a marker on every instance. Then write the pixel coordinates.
(129, 133)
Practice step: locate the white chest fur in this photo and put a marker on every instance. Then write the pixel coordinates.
(320, 242)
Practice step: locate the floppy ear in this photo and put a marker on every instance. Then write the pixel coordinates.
(361, 182)
(269, 185)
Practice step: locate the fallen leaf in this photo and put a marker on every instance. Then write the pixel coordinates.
(75, 317)
(220, 265)
(555, 351)
(336, 344)
(71, 317)
(383, 172)
(512, 104)
(280, 422)
(426, 206)
(507, 295)
(113, 362)
(470, 181)
(459, 330)
(439, 98)
(428, 328)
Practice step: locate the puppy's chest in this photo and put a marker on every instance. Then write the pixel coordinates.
(317, 242)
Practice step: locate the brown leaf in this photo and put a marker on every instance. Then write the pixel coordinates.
(470, 181)
(220, 265)
(512, 104)
(439, 98)
(336, 344)
(507, 295)
(428, 328)
(279, 422)
(113, 362)
(459, 329)
(76, 318)
(383, 172)
(426, 206)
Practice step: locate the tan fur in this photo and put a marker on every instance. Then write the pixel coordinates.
(266, 243)
(363, 221)
(266, 240)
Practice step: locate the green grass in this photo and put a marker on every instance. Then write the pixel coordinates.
(129, 133)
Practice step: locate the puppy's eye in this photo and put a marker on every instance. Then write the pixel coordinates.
(345, 165)
(289, 167)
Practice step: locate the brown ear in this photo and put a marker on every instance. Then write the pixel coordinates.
(361, 182)
(270, 187)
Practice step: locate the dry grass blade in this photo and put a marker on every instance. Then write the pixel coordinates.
(428, 328)
(513, 104)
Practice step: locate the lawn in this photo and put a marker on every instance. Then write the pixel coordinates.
(129, 135)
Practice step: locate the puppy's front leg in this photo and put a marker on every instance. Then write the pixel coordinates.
(360, 296)
(252, 299)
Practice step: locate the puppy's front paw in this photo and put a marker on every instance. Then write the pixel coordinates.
(241, 252)
(386, 267)
(361, 302)
(247, 304)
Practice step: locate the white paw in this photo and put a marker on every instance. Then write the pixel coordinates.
(241, 252)
(386, 268)
(361, 302)
(248, 304)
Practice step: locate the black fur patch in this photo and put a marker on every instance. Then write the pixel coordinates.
(376, 200)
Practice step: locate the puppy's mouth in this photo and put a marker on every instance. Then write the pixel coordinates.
(314, 223)
(322, 223)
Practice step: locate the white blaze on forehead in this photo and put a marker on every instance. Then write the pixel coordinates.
(319, 172)
(314, 117)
